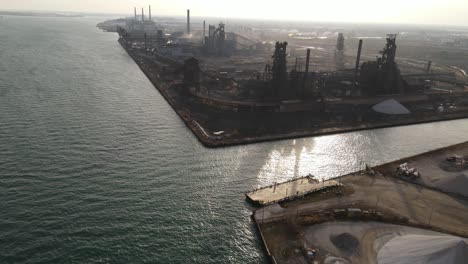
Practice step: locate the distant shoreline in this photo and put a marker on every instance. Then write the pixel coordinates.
(36, 14)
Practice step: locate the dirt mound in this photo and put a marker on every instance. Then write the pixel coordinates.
(345, 242)
(423, 249)
(452, 166)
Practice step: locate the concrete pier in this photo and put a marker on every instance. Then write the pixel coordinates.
(288, 190)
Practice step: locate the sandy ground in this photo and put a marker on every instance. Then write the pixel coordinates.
(389, 195)
(435, 170)
(359, 242)
(373, 240)
(422, 206)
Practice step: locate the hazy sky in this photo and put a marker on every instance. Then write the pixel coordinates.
(454, 12)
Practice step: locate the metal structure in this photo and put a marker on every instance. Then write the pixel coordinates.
(243, 42)
(279, 70)
(215, 41)
(192, 71)
(159, 36)
(339, 52)
(137, 27)
(389, 52)
(383, 76)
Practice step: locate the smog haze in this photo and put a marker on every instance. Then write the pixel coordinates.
(443, 12)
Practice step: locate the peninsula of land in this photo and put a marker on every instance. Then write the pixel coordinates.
(409, 211)
(230, 88)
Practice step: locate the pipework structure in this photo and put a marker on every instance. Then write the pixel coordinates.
(383, 76)
(279, 70)
(216, 40)
(138, 26)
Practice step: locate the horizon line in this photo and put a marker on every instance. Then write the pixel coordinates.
(130, 14)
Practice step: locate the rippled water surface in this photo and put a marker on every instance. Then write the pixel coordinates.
(95, 167)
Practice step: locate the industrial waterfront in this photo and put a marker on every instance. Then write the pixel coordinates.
(96, 167)
(244, 85)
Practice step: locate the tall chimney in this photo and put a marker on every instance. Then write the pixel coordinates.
(188, 21)
(134, 9)
(429, 64)
(150, 13)
(204, 28)
(142, 15)
(358, 59)
(306, 74)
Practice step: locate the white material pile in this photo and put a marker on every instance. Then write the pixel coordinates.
(424, 249)
(391, 107)
(404, 170)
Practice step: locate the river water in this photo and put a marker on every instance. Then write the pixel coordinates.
(95, 167)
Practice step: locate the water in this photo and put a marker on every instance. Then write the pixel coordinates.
(95, 167)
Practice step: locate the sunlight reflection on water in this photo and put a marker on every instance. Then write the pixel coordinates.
(334, 155)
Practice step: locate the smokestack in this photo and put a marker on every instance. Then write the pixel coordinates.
(204, 28)
(134, 9)
(358, 59)
(188, 21)
(150, 13)
(142, 15)
(429, 64)
(306, 74)
(307, 63)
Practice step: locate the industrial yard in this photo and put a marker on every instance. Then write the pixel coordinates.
(240, 83)
(250, 132)
(374, 217)
(443, 169)
(237, 83)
